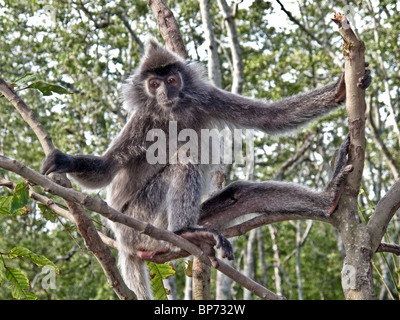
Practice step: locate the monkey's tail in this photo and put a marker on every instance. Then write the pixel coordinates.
(135, 273)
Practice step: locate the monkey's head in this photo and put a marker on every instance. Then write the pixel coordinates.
(163, 82)
(159, 81)
(164, 85)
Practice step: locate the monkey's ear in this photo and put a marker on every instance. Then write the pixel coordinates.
(157, 57)
(153, 44)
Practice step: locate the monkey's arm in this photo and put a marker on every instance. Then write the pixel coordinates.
(94, 171)
(89, 171)
(280, 116)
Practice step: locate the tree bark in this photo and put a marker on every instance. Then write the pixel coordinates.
(236, 51)
(249, 261)
(214, 73)
(201, 280)
(168, 27)
(357, 281)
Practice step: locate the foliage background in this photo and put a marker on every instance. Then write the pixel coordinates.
(86, 47)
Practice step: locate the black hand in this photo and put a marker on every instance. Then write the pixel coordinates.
(365, 80)
(57, 161)
(363, 83)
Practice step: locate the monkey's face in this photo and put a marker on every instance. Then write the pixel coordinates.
(165, 88)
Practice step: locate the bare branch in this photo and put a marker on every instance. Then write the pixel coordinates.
(353, 50)
(384, 211)
(237, 59)
(355, 236)
(214, 73)
(311, 35)
(28, 115)
(66, 214)
(168, 26)
(389, 247)
(101, 252)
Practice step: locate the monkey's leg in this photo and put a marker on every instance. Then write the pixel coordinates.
(272, 197)
(184, 199)
(135, 274)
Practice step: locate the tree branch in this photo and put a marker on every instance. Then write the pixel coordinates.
(28, 115)
(353, 50)
(236, 51)
(389, 247)
(311, 35)
(214, 73)
(168, 27)
(245, 197)
(384, 211)
(357, 280)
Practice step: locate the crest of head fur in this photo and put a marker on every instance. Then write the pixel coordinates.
(157, 58)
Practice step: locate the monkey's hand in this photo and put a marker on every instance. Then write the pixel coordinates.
(363, 83)
(57, 161)
(206, 239)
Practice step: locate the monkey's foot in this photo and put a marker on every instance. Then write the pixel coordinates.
(342, 170)
(338, 190)
(206, 239)
(146, 255)
(363, 83)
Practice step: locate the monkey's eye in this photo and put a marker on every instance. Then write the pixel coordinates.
(154, 84)
(171, 80)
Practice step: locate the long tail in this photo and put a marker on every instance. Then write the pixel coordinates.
(135, 273)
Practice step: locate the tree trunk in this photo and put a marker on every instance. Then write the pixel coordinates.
(277, 264)
(237, 58)
(214, 73)
(356, 274)
(249, 258)
(201, 280)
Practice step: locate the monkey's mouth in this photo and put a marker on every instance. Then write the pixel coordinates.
(169, 103)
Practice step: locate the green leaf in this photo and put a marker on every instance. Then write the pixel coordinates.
(5, 207)
(20, 284)
(17, 277)
(189, 268)
(5, 203)
(47, 88)
(47, 213)
(158, 272)
(20, 198)
(29, 77)
(30, 80)
(38, 259)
